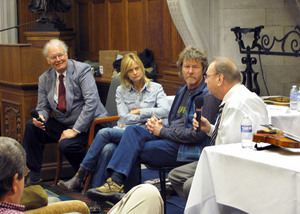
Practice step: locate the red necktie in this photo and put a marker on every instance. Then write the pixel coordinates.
(61, 95)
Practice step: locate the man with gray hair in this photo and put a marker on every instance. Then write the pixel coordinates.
(69, 90)
(13, 171)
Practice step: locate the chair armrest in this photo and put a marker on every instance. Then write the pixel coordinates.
(62, 207)
(97, 121)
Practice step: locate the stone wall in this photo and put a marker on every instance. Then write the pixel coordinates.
(278, 17)
(212, 21)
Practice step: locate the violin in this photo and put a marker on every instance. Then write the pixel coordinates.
(275, 138)
(276, 100)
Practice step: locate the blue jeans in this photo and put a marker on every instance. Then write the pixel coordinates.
(137, 144)
(100, 153)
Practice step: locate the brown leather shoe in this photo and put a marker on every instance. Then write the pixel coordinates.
(77, 182)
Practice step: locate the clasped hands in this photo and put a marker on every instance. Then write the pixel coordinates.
(154, 125)
(67, 134)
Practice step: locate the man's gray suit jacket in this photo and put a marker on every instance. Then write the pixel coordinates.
(83, 102)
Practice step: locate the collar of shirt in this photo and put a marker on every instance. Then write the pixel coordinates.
(57, 75)
(145, 87)
(230, 92)
(12, 206)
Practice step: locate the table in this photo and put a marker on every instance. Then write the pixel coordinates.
(254, 181)
(284, 118)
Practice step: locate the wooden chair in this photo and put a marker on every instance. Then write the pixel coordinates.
(111, 109)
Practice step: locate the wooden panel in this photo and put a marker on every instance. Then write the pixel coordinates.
(120, 25)
(136, 21)
(24, 16)
(18, 64)
(99, 26)
(117, 22)
(157, 39)
(83, 30)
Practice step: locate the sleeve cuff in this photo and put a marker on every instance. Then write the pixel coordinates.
(77, 131)
(212, 128)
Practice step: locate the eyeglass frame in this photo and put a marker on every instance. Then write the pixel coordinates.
(207, 76)
(59, 56)
(26, 171)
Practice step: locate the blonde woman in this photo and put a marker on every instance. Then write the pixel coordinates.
(137, 100)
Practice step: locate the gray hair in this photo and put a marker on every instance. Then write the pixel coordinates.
(55, 42)
(227, 67)
(191, 53)
(12, 161)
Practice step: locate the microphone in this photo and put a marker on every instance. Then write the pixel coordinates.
(198, 106)
(36, 115)
(42, 20)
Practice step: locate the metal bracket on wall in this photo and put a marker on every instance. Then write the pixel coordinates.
(264, 46)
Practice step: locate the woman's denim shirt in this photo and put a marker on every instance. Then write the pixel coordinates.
(151, 101)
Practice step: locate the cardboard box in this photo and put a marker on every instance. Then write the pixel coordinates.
(107, 58)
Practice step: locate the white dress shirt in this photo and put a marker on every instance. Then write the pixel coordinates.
(239, 101)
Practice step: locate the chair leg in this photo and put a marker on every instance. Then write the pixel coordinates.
(162, 178)
(140, 175)
(87, 183)
(58, 165)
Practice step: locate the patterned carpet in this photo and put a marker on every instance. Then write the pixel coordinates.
(65, 195)
(174, 204)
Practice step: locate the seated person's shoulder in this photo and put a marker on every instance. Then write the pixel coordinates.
(155, 85)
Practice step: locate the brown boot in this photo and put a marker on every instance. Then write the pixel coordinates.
(77, 182)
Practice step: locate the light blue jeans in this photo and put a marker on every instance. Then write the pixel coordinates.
(100, 153)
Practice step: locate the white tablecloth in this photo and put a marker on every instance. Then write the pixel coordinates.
(285, 119)
(266, 182)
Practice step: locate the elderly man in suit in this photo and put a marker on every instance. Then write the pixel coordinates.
(69, 90)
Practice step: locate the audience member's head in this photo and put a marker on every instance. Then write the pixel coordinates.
(222, 74)
(191, 65)
(125, 67)
(12, 168)
(56, 53)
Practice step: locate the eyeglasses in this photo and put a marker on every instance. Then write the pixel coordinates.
(59, 56)
(26, 171)
(194, 67)
(206, 76)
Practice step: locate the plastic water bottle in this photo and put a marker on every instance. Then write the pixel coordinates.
(246, 131)
(298, 100)
(293, 98)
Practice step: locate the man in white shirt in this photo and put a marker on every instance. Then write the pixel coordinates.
(223, 81)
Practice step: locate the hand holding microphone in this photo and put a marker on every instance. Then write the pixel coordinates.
(39, 119)
(198, 106)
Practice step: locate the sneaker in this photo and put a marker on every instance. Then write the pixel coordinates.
(110, 187)
(109, 191)
(156, 181)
